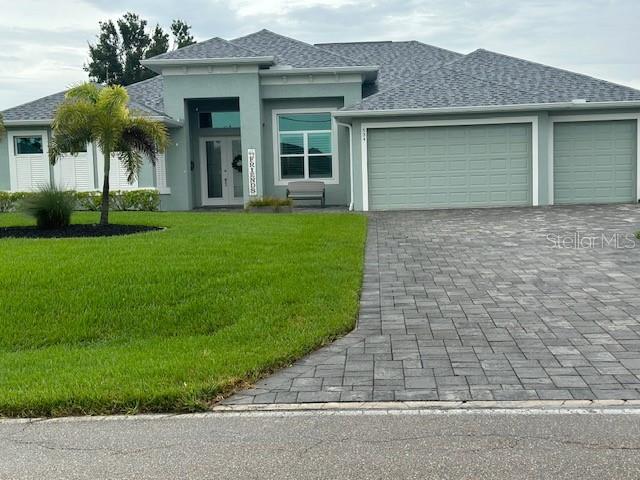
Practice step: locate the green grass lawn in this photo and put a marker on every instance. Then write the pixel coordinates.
(169, 320)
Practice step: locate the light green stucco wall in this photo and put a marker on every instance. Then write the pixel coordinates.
(5, 181)
(180, 88)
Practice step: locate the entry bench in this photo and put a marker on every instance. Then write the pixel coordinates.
(306, 191)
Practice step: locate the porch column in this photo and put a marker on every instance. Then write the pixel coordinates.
(251, 139)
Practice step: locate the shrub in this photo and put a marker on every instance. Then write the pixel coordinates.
(6, 202)
(50, 206)
(9, 200)
(89, 201)
(270, 202)
(147, 200)
(142, 200)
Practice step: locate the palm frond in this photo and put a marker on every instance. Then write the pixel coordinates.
(73, 127)
(132, 161)
(61, 144)
(113, 101)
(86, 91)
(148, 137)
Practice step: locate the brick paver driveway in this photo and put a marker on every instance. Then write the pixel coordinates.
(482, 305)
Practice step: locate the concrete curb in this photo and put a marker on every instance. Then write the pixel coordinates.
(434, 405)
(537, 407)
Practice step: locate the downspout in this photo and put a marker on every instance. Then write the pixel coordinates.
(348, 126)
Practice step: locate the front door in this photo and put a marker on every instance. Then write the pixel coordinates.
(221, 167)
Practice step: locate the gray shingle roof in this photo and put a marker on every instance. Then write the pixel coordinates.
(213, 48)
(40, 109)
(484, 78)
(549, 83)
(444, 87)
(148, 92)
(145, 98)
(412, 75)
(398, 61)
(289, 51)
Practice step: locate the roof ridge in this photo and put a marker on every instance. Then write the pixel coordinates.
(203, 42)
(296, 41)
(555, 68)
(436, 47)
(360, 43)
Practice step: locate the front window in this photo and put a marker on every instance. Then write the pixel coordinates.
(28, 145)
(219, 120)
(305, 146)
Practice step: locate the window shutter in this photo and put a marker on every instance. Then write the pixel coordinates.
(75, 172)
(32, 172)
(117, 174)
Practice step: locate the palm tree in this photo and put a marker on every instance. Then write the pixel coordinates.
(2, 129)
(91, 113)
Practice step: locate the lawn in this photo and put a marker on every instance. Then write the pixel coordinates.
(169, 320)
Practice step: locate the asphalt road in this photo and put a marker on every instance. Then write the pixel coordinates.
(352, 445)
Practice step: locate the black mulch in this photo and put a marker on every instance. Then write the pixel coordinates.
(75, 231)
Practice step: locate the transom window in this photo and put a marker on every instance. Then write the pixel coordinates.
(219, 120)
(305, 147)
(28, 145)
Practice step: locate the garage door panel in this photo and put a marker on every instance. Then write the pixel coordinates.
(460, 166)
(594, 162)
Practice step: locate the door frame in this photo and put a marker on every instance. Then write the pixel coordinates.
(553, 119)
(533, 120)
(227, 190)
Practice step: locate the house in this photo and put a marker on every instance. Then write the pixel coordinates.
(385, 125)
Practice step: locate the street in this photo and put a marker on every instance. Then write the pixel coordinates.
(365, 444)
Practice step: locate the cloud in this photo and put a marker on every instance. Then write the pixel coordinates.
(45, 43)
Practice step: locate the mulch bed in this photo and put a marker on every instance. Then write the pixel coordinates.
(75, 231)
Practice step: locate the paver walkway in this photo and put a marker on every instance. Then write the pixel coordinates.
(481, 304)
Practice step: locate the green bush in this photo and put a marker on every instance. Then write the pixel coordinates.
(270, 202)
(50, 206)
(147, 200)
(9, 200)
(142, 200)
(89, 201)
(6, 202)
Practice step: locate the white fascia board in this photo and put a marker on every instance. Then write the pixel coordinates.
(369, 71)
(158, 64)
(28, 123)
(47, 122)
(489, 108)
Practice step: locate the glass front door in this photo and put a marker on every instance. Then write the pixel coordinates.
(221, 167)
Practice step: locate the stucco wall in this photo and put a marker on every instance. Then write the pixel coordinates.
(4, 164)
(180, 88)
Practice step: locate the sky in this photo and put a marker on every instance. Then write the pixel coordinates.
(44, 42)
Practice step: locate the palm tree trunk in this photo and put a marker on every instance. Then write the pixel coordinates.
(104, 208)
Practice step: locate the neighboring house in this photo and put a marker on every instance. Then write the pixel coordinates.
(385, 125)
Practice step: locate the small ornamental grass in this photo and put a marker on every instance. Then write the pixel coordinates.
(50, 206)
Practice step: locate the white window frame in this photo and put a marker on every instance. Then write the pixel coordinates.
(532, 120)
(277, 174)
(14, 156)
(590, 118)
